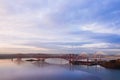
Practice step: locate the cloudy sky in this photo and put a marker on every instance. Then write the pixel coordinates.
(59, 26)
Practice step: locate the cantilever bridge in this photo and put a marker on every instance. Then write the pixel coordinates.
(69, 57)
(40, 56)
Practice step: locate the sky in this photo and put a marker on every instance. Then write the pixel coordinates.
(59, 26)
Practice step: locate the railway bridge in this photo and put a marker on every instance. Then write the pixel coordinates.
(69, 57)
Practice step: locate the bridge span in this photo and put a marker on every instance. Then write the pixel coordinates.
(69, 57)
(41, 57)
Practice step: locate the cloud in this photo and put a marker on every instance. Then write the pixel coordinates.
(96, 45)
(99, 28)
(52, 25)
(13, 48)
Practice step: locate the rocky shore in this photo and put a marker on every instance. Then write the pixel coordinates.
(112, 64)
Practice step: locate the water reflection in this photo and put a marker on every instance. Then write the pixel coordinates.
(18, 61)
(38, 70)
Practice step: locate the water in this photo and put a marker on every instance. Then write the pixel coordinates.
(23, 70)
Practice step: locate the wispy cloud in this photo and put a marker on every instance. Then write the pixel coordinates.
(101, 28)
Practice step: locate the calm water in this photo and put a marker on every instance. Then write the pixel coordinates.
(23, 70)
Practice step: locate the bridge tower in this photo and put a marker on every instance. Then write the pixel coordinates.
(99, 55)
(72, 58)
(84, 55)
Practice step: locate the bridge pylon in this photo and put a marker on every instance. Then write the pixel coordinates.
(72, 58)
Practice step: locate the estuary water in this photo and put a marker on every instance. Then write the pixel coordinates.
(36, 70)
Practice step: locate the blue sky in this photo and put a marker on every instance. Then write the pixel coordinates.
(59, 26)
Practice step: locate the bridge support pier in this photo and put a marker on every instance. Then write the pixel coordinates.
(19, 59)
(41, 59)
(11, 59)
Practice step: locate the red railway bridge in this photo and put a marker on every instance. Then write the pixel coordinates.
(69, 57)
